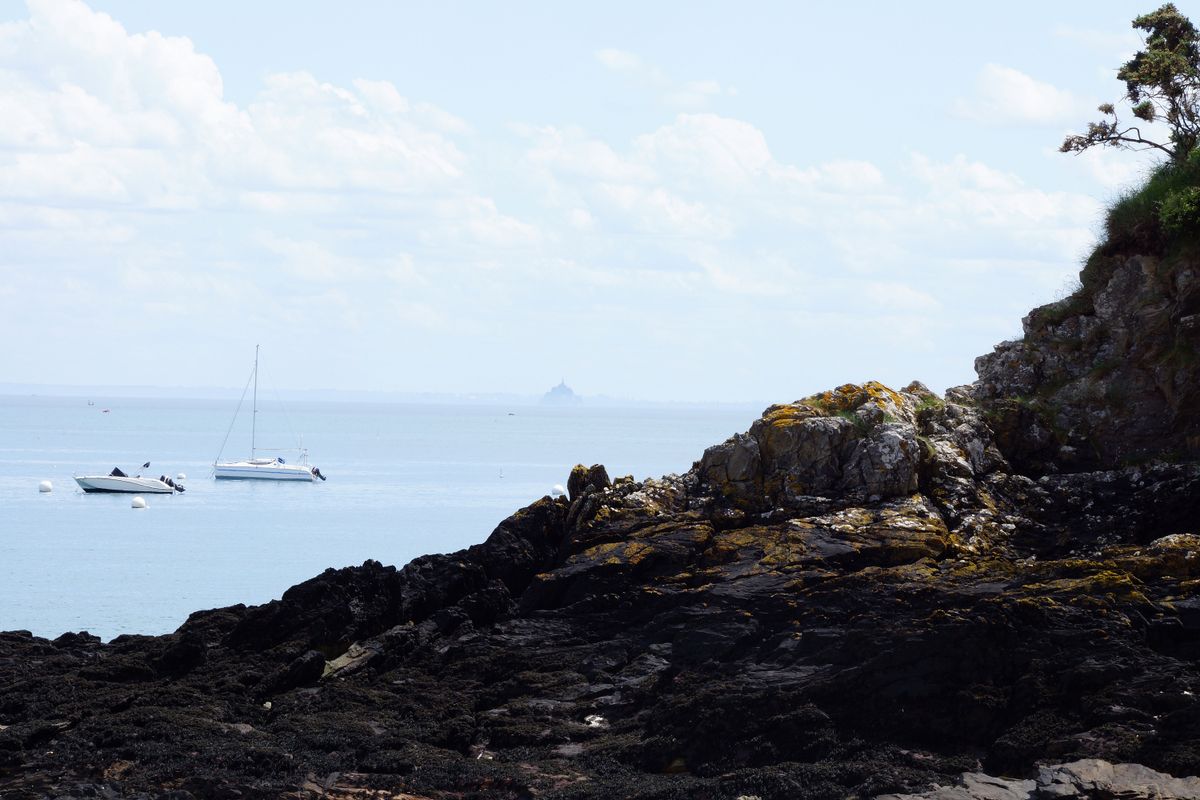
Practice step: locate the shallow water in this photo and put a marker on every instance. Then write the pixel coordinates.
(404, 480)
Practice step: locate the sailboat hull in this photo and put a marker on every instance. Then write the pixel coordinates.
(257, 470)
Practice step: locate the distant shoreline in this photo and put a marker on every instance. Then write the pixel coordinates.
(351, 396)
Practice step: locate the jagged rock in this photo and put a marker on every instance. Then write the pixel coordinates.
(583, 480)
(858, 440)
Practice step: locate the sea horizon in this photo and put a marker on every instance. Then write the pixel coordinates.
(149, 391)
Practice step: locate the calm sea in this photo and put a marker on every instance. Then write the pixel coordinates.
(404, 480)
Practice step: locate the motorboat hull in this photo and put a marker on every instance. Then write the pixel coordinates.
(260, 471)
(113, 484)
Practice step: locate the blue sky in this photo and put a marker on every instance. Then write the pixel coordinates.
(669, 201)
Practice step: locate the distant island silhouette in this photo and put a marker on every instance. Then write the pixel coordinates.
(561, 395)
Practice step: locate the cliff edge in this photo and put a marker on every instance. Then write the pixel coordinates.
(1110, 375)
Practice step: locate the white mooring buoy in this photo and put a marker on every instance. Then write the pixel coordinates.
(139, 502)
(45, 486)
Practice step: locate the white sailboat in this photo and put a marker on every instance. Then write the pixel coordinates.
(263, 469)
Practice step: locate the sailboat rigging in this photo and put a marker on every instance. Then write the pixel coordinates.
(255, 468)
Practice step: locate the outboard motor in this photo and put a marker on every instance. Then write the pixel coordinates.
(317, 473)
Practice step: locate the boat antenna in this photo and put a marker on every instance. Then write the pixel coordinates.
(288, 419)
(254, 416)
(233, 421)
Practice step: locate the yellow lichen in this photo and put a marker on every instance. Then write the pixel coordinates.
(850, 396)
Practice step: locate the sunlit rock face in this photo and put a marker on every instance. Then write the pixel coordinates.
(862, 444)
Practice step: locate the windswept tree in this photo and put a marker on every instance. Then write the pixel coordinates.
(1162, 83)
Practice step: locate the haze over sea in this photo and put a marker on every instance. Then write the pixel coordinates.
(404, 480)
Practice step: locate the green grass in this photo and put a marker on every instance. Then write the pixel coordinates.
(1135, 219)
(1104, 368)
(861, 425)
(929, 402)
(1181, 354)
(1161, 218)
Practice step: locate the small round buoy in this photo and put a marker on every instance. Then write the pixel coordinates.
(558, 490)
(139, 502)
(45, 486)
(180, 478)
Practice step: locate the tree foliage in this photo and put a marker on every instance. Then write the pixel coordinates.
(1162, 83)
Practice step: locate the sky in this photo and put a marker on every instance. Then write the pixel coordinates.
(670, 201)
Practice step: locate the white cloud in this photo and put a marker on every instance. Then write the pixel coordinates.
(899, 297)
(707, 145)
(581, 219)
(980, 195)
(127, 175)
(1006, 96)
(657, 210)
(317, 135)
(619, 60)
(570, 150)
(480, 217)
(848, 176)
(692, 95)
(1115, 169)
(97, 116)
(729, 215)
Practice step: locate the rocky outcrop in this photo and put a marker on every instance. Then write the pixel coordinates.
(1107, 377)
(857, 442)
(859, 596)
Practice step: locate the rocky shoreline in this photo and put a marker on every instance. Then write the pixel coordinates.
(990, 594)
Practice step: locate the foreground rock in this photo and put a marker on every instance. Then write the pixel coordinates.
(859, 596)
(1088, 778)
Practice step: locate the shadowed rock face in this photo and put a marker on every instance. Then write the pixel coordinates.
(1106, 377)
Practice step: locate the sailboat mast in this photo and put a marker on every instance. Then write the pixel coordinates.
(254, 416)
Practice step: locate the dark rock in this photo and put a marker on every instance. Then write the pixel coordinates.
(1104, 378)
(583, 480)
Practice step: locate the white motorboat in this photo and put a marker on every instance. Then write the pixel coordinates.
(263, 469)
(118, 481)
